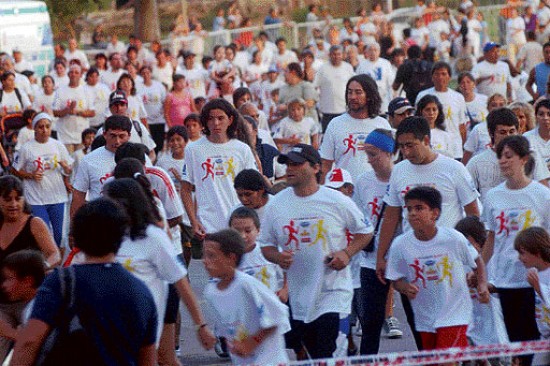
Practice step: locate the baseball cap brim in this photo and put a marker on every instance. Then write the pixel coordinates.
(291, 156)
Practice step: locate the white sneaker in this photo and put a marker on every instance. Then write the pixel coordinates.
(392, 327)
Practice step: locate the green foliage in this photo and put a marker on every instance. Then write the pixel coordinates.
(63, 13)
(299, 14)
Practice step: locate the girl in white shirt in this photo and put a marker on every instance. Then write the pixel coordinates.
(431, 108)
(148, 254)
(514, 205)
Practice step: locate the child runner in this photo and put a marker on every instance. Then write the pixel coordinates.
(26, 133)
(193, 125)
(246, 312)
(533, 246)
(296, 128)
(247, 223)
(427, 265)
(88, 136)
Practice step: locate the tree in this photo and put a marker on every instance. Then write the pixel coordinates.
(146, 20)
(63, 13)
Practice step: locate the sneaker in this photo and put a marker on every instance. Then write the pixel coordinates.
(392, 328)
(221, 348)
(358, 330)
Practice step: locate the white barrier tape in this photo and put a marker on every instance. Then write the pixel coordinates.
(435, 356)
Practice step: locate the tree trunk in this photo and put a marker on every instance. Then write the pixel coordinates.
(184, 14)
(146, 20)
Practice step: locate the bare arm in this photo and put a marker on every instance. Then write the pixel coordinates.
(391, 217)
(466, 157)
(167, 106)
(488, 248)
(79, 198)
(530, 83)
(481, 274)
(28, 342)
(405, 288)
(472, 209)
(326, 166)
(341, 258)
(283, 259)
(189, 205)
(206, 337)
(147, 355)
(45, 242)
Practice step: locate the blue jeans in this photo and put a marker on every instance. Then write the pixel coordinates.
(372, 310)
(52, 216)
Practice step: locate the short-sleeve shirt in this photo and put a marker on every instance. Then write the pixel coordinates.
(94, 169)
(304, 90)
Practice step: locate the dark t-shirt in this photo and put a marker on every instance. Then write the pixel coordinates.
(116, 309)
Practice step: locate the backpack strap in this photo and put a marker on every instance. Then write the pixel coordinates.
(137, 127)
(18, 94)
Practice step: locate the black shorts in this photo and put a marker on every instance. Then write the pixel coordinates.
(172, 305)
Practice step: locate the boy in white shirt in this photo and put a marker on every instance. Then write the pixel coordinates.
(426, 264)
(296, 128)
(246, 312)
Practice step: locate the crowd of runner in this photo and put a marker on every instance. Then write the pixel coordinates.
(312, 183)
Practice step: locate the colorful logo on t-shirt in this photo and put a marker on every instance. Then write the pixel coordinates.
(435, 269)
(219, 166)
(306, 231)
(105, 177)
(510, 221)
(354, 143)
(375, 207)
(46, 162)
(349, 237)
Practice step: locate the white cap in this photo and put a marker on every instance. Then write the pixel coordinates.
(338, 177)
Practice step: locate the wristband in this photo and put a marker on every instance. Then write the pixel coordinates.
(199, 327)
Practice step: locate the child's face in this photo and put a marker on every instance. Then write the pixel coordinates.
(194, 129)
(296, 112)
(247, 229)
(176, 143)
(12, 286)
(88, 139)
(420, 215)
(275, 97)
(249, 198)
(217, 263)
(529, 260)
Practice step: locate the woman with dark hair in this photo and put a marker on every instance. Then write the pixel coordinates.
(431, 108)
(101, 62)
(253, 190)
(212, 163)
(147, 252)
(241, 96)
(343, 141)
(516, 204)
(136, 109)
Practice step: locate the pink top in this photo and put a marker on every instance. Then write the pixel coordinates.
(179, 107)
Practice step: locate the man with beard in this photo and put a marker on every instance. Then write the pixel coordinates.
(343, 141)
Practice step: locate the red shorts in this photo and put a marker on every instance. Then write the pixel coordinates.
(445, 337)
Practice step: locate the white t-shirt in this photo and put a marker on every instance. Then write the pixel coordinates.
(145, 138)
(487, 324)
(331, 82)
(476, 110)
(118, 47)
(70, 127)
(45, 157)
(93, 171)
(485, 171)
(506, 212)
(243, 309)
(153, 97)
(283, 60)
(381, 71)
(369, 195)
(478, 139)
(77, 55)
(454, 107)
(290, 128)
(59, 81)
(515, 31)
(291, 224)
(500, 76)
(166, 162)
(24, 135)
(532, 54)
(442, 142)
(344, 140)
(99, 94)
(254, 264)
(212, 168)
(196, 80)
(436, 266)
(152, 259)
(110, 78)
(446, 175)
(163, 188)
(542, 304)
(11, 104)
(435, 28)
(164, 74)
(539, 145)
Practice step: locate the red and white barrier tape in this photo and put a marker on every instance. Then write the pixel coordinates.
(436, 356)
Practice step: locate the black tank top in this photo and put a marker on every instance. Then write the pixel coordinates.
(24, 240)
